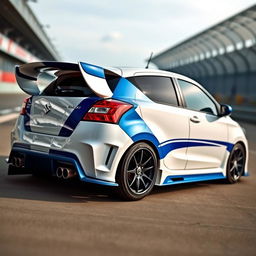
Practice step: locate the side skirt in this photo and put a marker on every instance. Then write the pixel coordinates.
(179, 179)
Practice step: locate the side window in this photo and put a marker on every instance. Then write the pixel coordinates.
(158, 89)
(196, 99)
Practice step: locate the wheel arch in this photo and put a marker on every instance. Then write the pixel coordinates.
(243, 144)
(153, 146)
(125, 189)
(150, 143)
(245, 148)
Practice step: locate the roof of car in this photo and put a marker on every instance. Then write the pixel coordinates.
(128, 72)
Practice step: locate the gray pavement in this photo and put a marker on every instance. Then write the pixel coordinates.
(49, 217)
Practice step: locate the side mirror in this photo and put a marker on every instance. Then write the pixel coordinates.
(225, 110)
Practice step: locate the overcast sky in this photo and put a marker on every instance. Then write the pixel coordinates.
(124, 32)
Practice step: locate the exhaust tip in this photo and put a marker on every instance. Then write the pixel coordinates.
(68, 173)
(59, 172)
(13, 161)
(65, 173)
(17, 162)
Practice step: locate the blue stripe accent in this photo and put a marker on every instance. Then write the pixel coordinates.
(93, 70)
(125, 89)
(170, 180)
(76, 116)
(135, 127)
(191, 143)
(65, 157)
(166, 149)
(227, 144)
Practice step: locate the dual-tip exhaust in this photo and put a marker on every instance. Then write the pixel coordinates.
(18, 162)
(65, 173)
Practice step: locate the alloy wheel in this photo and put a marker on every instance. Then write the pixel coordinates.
(236, 163)
(140, 172)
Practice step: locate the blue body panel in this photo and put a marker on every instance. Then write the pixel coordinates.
(125, 89)
(76, 116)
(178, 179)
(93, 70)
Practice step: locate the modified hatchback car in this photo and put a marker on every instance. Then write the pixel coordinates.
(129, 128)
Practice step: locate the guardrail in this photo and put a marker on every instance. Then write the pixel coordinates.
(247, 114)
(27, 14)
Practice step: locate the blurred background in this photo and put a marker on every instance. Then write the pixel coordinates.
(213, 42)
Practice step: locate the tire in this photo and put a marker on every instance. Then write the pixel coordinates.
(236, 162)
(137, 172)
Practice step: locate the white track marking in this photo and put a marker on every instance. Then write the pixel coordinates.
(9, 110)
(8, 117)
(6, 111)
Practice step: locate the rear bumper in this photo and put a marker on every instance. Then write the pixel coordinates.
(95, 149)
(51, 160)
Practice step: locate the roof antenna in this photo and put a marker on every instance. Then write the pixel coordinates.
(149, 59)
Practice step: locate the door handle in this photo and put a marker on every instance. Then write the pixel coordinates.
(195, 119)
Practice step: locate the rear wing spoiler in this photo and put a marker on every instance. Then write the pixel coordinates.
(27, 76)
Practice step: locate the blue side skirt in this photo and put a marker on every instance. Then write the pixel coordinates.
(178, 179)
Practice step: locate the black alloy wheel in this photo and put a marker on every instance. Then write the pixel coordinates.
(236, 163)
(137, 172)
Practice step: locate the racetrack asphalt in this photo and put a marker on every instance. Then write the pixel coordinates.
(44, 216)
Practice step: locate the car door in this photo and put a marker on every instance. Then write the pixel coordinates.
(165, 118)
(208, 137)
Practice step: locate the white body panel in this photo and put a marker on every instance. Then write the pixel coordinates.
(209, 127)
(174, 124)
(97, 84)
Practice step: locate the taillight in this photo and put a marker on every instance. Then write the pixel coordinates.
(107, 111)
(23, 110)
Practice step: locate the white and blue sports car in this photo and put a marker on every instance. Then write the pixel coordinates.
(129, 128)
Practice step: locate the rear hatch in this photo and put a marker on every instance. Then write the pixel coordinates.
(56, 115)
(62, 93)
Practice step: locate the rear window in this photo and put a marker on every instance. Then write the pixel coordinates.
(158, 88)
(69, 84)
